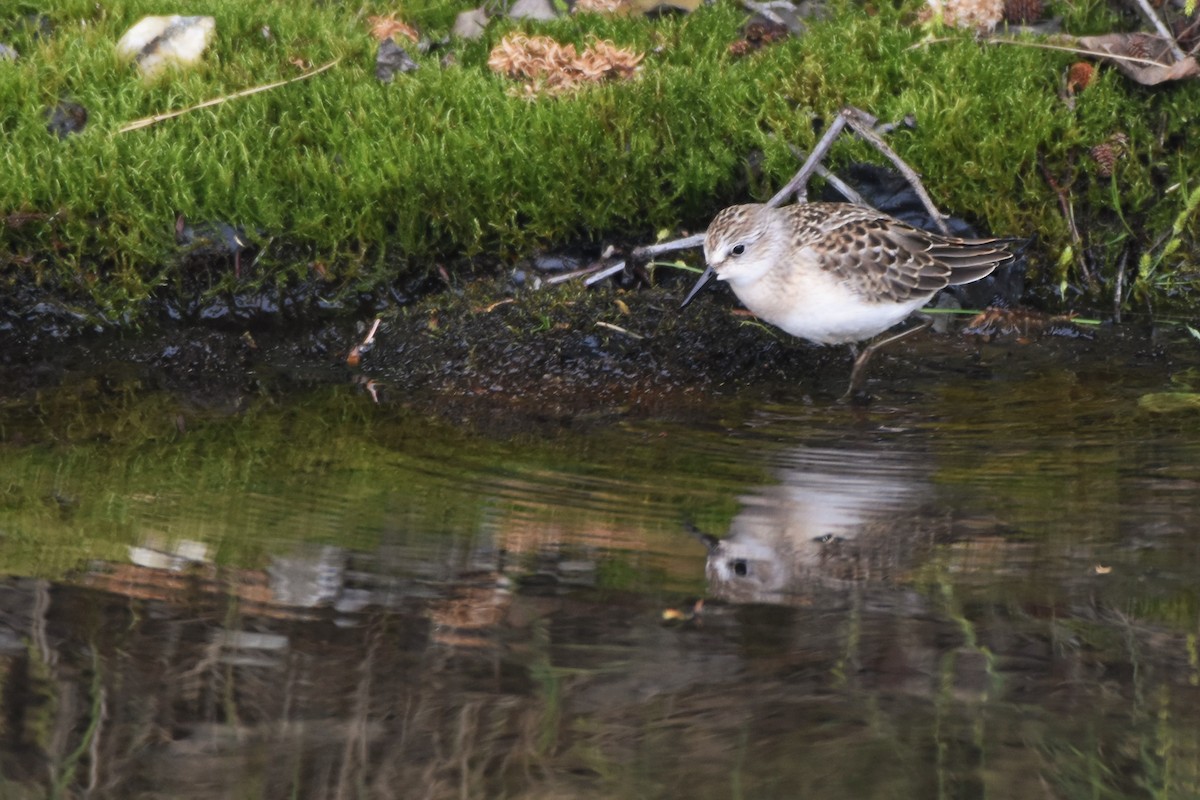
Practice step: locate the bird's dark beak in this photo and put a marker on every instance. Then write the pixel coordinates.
(708, 539)
(705, 278)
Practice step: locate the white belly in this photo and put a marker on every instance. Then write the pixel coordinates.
(823, 312)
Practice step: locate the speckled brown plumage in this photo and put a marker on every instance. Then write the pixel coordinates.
(836, 272)
(879, 257)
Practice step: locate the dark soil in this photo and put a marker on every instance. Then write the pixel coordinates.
(494, 353)
(486, 350)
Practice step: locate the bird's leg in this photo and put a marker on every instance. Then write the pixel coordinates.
(858, 375)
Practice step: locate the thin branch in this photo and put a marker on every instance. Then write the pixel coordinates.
(1162, 29)
(1068, 212)
(650, 251)
(843, 188)
(148, 121)
(862, 125)
(800, 180)
(1120, 284)
(576, 273)
(604, 273)
(619, 329)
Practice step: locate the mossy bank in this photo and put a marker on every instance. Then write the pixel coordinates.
(342, 186)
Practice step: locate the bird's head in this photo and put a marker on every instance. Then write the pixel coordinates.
(738, 247)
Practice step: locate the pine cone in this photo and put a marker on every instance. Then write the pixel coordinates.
(1020, 12)
(1108, 153)
(1080, 76)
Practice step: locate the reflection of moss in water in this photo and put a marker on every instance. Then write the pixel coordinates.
(1040, 452)
(1121, 720)
(630, 573)
(111, 467)
(1156, 757)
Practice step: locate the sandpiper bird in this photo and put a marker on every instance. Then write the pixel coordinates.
(837, 273)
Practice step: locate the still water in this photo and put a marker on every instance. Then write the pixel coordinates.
(983, 585)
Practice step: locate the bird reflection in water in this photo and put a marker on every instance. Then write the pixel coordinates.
(837, 517)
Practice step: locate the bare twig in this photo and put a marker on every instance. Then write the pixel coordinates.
(1068, 212)
(1119, 289)
(652, 250)
(619, 329)
(863, 126)
(833, 180)
(575, 273)
(148, 121)
(1162, 29)
(604, 273)
(799, 181)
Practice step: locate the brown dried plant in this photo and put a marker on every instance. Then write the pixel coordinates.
(387, 27)
(548, 67)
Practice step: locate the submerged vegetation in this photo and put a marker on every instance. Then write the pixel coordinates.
(345, 184)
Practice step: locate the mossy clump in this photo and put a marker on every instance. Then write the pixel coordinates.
(352, 184)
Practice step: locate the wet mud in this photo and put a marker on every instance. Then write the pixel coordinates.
(489, 351)
(557, 353)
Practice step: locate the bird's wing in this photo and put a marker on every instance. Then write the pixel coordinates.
(885, 259)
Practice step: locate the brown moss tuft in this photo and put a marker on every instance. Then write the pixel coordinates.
(549, 67)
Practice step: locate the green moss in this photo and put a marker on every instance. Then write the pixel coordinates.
(356, 183)
(110, 466)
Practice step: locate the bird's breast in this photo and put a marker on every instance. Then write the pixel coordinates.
(816, 305)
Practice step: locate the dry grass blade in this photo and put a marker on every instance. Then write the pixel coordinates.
(148, 121)
(1144, 57)
(619, 329)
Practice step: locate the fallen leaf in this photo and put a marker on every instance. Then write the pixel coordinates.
(1022, 323)
(387, 27)
(606, 7)
(1142, 56)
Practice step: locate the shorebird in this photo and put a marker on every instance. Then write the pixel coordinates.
(837, 273)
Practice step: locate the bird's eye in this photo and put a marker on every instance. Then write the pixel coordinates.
(737, 250)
